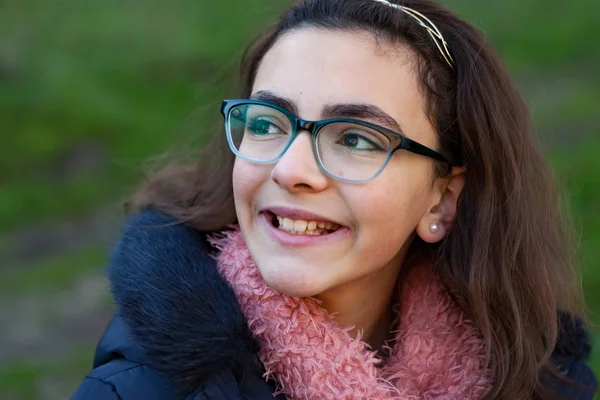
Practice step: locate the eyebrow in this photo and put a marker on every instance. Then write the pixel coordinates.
(279, 101)
(348, 110)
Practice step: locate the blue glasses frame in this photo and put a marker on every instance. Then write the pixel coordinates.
(314, 127)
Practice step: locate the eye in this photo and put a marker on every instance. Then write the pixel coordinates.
(263, 126)
(357, 141)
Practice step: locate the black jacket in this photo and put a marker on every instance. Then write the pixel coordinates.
(179, 333)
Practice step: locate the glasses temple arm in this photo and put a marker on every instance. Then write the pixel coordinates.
(417, 148)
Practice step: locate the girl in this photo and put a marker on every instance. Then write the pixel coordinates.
(389, 230)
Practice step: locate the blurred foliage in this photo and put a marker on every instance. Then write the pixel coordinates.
(58, 273)
(121, 74)
(25, 380)
(133, 79)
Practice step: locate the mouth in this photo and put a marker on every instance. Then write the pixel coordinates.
(301, 226)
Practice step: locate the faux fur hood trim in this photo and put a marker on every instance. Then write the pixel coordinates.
(438, 353)
(185, 316)
(180, 310)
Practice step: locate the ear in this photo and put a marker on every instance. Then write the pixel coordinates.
(442, 209)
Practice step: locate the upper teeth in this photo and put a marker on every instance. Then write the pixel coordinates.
(304, 227)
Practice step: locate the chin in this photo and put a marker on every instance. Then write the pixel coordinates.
(290, 283)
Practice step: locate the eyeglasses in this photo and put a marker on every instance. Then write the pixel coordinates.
(346, 149)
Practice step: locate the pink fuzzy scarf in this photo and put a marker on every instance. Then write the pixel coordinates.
(438, 353)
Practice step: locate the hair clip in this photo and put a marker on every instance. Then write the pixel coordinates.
(426, 23)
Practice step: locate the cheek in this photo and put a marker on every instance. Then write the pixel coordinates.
(382, 223)
(389, 211)
(247, 179)
(240, 178)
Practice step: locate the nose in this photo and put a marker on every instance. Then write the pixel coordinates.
(297, 170)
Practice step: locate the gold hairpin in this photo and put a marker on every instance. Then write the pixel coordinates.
(433, 31)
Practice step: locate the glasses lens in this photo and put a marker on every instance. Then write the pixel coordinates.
(351, 151)
(258, 132)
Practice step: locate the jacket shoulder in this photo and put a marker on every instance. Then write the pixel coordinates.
(121, 379)
(576, 380)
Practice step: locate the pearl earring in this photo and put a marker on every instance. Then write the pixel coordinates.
(434, 228)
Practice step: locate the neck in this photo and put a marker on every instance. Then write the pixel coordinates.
(366, 303)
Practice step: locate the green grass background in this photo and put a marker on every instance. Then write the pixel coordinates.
(139, 78)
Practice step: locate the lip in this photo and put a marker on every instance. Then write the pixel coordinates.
(296, 213)
(287, 239)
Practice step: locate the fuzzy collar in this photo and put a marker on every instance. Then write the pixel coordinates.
(438, 353)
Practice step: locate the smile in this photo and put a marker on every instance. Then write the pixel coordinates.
(300, 228)
(304, 227)
(297, 226)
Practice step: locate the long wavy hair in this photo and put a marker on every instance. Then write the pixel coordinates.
(509, 254)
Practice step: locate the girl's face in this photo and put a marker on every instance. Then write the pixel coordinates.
(315, 69)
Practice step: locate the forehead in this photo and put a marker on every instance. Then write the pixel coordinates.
(315, 67)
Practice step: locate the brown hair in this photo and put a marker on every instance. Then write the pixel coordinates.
(509, 253)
